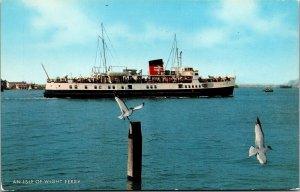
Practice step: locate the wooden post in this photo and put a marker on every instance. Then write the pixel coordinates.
(134, 163)
(134, 185)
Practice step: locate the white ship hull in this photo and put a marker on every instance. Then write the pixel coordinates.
(107, 90)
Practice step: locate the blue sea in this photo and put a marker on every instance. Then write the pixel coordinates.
(188, 143)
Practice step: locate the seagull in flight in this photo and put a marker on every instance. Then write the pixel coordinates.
(260, 149)
(124, 109)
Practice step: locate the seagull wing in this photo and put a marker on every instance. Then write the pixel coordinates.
(252, 151)
(259, 135)
(138, 107)
(122, 105)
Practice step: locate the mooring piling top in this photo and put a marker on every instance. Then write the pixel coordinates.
(135, 129)
(134, 122)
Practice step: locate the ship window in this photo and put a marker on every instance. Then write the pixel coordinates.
(113, 87)
(196, 86)
(147, 86)
(109, 87)
(189, 86)
(180, 86)
(70, 86)
(99, 86)
(199, 86)
(58, 85)
(75, 87)
(192, 86)
(129, 86)
(151, 87)
(155, 86)
(122, 87)
(95, 86)
(85, 87)
(185, 86)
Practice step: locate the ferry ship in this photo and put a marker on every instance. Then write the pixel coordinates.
(178, 82)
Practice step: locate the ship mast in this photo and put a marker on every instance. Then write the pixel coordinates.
(177, 57)
(103, 45)
(180, 58)
(48, 78)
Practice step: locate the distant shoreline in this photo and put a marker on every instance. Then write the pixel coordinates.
(265, 85)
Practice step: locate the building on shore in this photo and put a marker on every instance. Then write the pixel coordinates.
(21, 85)
(18, 85)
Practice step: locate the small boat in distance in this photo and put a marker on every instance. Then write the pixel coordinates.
(268, 89)
(178, 81)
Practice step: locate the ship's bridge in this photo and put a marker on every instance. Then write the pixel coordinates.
(183, 71)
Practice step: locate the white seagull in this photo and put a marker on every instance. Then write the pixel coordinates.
(260, 149)
(124, 109)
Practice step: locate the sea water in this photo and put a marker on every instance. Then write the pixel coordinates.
(188, 143)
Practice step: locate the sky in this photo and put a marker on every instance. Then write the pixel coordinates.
(255, 40)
